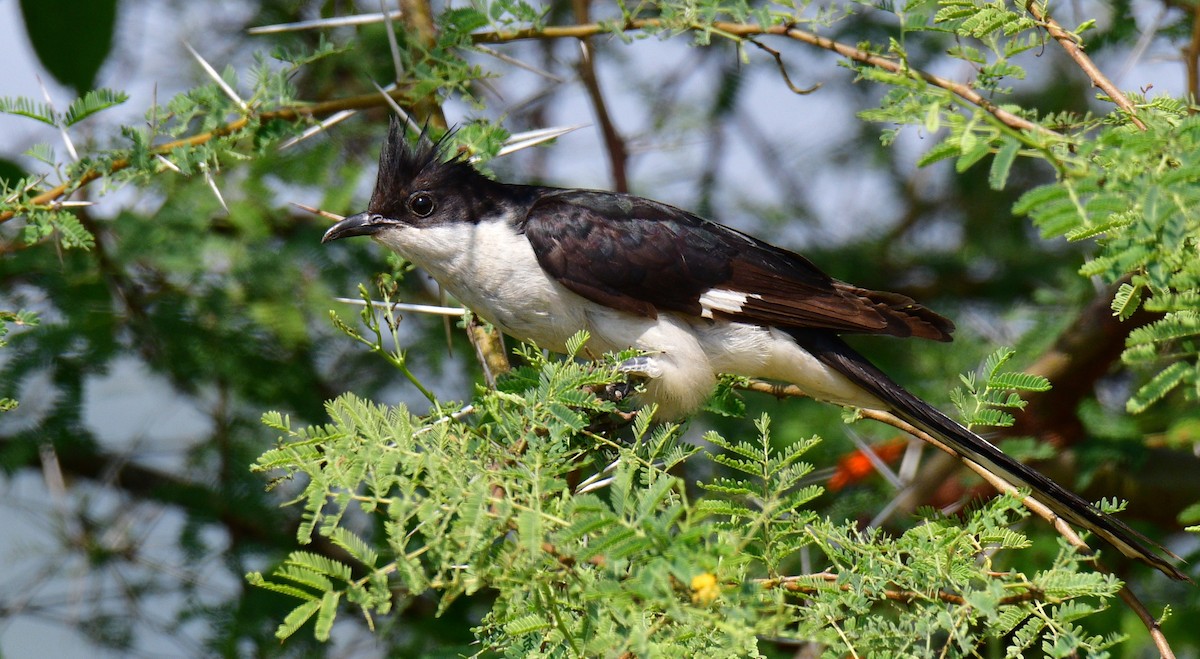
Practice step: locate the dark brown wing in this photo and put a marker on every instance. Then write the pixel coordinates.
(644, 257)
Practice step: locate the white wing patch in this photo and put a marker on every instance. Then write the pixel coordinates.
(724, 300)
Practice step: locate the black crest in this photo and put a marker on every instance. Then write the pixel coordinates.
(406, 167)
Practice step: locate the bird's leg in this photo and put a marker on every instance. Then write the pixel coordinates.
(637, 370)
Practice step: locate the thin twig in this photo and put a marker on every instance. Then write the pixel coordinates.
(1156, 633)
(1191, 57)
(614, 144)
(787, 79)
(803, 584)
(1075, 52)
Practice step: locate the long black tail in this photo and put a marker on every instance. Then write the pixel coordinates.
(834, 352)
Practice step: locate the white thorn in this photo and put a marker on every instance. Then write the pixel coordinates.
(335, 118)
(521, 141)
(508, 59)
(594, 486)
(391, 37)
(457, 416)
(31, 185)
(61, 128)
(911, 461)
(217, 77)
(401, 306)
(168, 164)
(396, 106)
(880, 466)
(325, 23)
(212, 183)
(607, 470)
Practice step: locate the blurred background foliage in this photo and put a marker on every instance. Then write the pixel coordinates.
(131, 515)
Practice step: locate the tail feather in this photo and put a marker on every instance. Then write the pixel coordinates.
(833, 352)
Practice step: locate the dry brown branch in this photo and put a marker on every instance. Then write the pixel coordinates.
(1160, 639)
(1191, 58)
(1075, 52)
(489, 350)
(614, 144)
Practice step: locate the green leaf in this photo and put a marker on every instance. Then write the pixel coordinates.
(941, 151)
(1161, 385)
(354, 545)
(1019, 382)
(256, 579)
(526, 624)
(296, 619)
(92, 102)
(973, 151)
(328, 612)
(25, 107)
(1002, 163)
(1039, 197)
(576, 342)
(1126, 300)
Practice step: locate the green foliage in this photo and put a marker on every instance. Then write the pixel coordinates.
(18, 319)
(1137, 199)
(774, 528)
(984, 403)
(376, 324)
(489, 499)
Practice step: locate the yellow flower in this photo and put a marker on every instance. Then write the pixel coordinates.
(705, 589)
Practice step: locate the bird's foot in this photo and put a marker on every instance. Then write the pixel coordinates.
(643, 367)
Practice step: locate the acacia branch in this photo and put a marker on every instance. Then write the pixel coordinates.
(1075, 52)
(291, 113)
(961, 90)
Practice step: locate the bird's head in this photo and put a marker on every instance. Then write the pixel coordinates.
(419, 186)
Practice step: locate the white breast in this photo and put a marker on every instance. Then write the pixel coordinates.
(492, 270)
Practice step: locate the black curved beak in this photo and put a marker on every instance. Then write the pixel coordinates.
(361, 224)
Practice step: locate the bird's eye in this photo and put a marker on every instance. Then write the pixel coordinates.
(421, 204)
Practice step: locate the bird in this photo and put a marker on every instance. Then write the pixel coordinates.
(694, 297)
